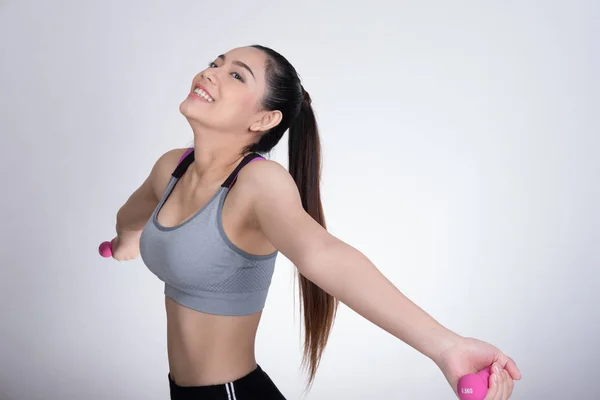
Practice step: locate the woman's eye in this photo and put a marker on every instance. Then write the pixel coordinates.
(234, 74)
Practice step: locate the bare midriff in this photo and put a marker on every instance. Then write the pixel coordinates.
(206, 349)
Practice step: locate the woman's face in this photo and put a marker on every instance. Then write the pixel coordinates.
(227, 95)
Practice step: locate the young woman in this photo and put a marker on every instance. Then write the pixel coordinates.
(210, 221)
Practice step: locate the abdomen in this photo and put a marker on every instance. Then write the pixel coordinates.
(206, 349)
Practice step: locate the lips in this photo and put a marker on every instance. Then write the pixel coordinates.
(202, 92)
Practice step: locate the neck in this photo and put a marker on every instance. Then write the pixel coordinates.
(216, 154)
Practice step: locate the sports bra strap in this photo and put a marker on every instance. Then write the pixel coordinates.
(233, 176)
(188, 151)
(184, 163)
(188, 158)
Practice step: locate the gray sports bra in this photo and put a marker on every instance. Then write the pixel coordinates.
(201, 268)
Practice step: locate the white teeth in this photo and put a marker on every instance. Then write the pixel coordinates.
(203, 94)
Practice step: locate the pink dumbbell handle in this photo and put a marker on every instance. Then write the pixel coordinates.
(474, 386)
(105, 249)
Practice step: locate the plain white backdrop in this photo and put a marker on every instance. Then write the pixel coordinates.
(461, 147)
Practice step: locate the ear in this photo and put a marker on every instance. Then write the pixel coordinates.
(266, 120)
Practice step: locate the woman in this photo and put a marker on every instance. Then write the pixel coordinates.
(209, 222)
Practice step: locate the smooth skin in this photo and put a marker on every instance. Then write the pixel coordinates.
(263, 212)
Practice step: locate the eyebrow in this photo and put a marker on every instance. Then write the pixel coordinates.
(236, 62)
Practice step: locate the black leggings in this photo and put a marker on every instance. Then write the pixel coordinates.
(254, 386)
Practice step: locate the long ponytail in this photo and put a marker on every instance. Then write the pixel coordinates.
(285, 93)
(319, 308)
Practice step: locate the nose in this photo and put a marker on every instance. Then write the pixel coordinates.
(209, 76)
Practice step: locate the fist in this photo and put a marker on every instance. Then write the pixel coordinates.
(125, 249)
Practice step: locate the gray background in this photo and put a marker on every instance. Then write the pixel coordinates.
(460, 143)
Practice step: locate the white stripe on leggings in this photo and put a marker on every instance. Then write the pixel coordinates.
(230, 393)
(233, 391)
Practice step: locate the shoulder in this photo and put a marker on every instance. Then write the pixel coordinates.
(267, 180)
(163, 168)
(170, 159)
(276, 208)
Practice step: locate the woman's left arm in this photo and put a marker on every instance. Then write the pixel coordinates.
(348, 275)
(336, 267)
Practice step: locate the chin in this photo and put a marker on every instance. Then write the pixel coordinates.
(194, 115)
(188, 110)
(183, 108)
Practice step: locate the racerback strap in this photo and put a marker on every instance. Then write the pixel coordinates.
(233, 176)
(184, 163)
(188, 158)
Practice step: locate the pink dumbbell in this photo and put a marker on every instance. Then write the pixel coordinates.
(105, 249)
(474, 386)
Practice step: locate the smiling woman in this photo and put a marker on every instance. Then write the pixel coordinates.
(209, 222)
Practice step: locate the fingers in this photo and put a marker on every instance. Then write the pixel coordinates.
(123, 251)
(508, 364)
(501, 384)
(113, 246)
(501, 395)
(509, 383)
(492, 393)
(512, 369)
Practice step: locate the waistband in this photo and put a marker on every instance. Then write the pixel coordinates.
(222, 390)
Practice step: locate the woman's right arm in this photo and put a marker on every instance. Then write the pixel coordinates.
(133, 215)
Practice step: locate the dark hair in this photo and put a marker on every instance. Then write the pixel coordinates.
(286, 94)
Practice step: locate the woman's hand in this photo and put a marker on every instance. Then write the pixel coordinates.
(469, 356)
(126, 247)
